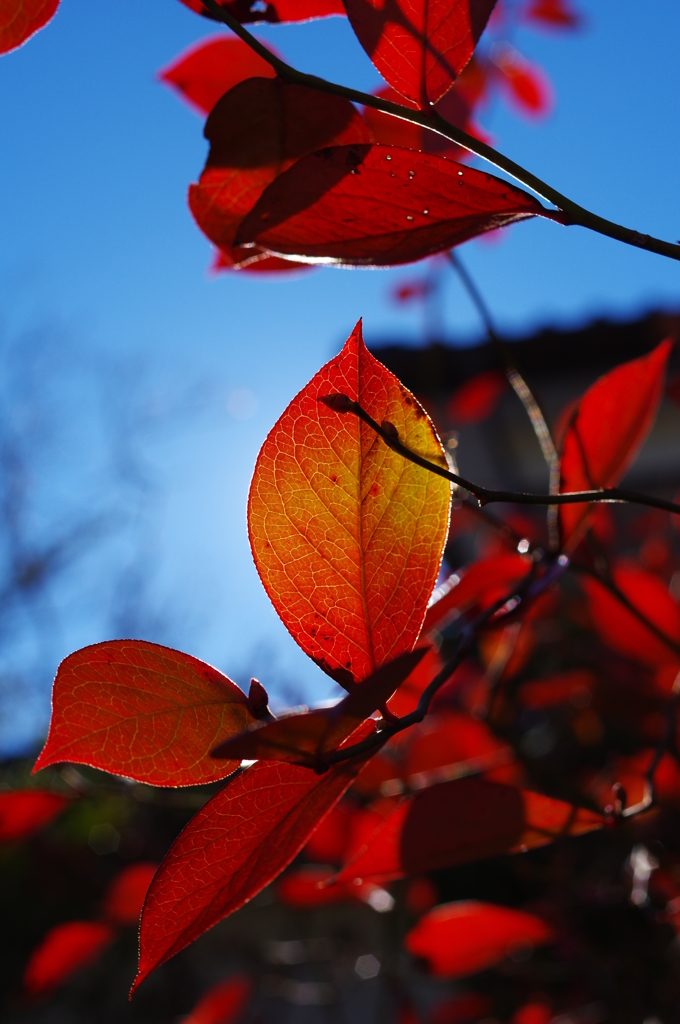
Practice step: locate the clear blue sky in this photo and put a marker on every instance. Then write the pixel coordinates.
(95, 161)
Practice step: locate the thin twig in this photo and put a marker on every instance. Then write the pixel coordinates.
(485, 495)
(517, 381)
(571, 212)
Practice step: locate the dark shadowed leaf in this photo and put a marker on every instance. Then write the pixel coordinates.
(204, 72)
(462, 821)
(612, 421)
(20, 19)
(419, 46)
(462, 938)
(379, 206)
(347, 536)
(304, 739)
(247, 12)
(124, 897)
(24, 812)
(256, 131)
(239, 842)
(64, 950)
(143, 711)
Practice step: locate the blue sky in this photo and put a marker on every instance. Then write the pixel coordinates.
(98, 246)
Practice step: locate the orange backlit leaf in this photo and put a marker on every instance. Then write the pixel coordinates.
(236, 845)
(65, 949)
(348, 536)
(257, 130)
(25, 811)
(20, 19)
(612, 421)
(419, 47)
(147, 712)
(368, 205)
(204, 72)
(304, 739)
(247, 12)
(124, 897)
(461, 821)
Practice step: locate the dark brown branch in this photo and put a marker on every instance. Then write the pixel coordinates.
(485, 495)
(465, 639)
(517, 380)
(572, 213)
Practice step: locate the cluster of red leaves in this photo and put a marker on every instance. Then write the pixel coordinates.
(307, 164)
(348, 537)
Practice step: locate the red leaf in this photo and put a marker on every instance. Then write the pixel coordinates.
(325, 503)
(535, 1012)
(204, 72)
(222, 1003)
(407, 696)
(554, 14)
(272, 10)
(236, 845)
(419, 47)
(63, 951)
(451, 738)
(575, 686)
(143, 711)
(462, 938)
(306, 888)
(476, 587)
(462, 1009)
(304, 739)
(260, 263)
(24, 812)
(621, 629)
(455, 107)
(475, 400)
(525, 84)
(256, 131)
(329, 840)
(124, 897)
(20, 19)
(379, 206)
(613, 419)
(462, 821)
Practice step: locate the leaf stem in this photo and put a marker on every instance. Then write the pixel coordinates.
(485, 495)
(572, 213)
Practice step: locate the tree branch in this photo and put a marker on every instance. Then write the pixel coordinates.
(485, 495)
(575, 214)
